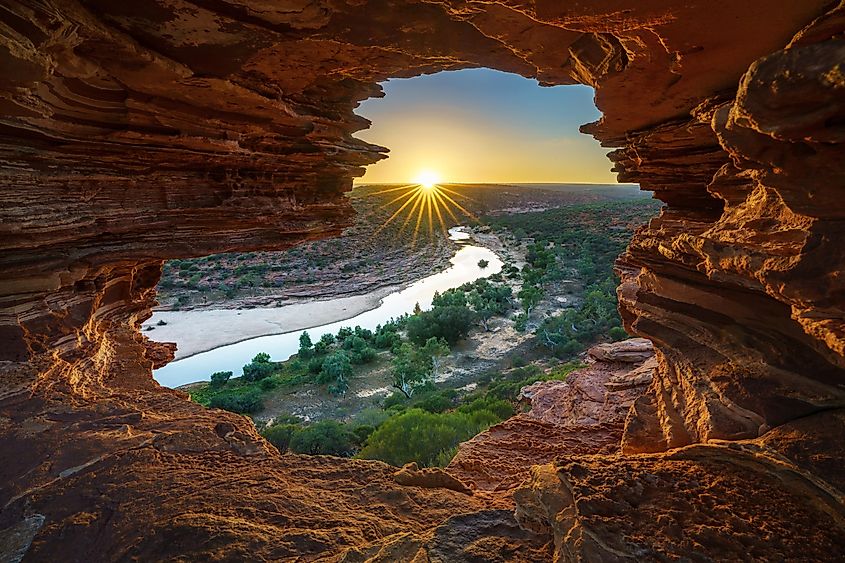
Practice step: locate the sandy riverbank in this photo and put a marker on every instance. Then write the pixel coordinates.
(203, 330)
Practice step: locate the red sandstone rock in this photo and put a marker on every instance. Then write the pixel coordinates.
(632, 351)
(137, 132)
(584, 414)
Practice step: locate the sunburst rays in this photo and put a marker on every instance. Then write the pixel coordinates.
(421, 207)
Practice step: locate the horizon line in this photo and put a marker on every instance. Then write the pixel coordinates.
(354, 182)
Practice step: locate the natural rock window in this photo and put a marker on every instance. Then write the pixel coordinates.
(135, 133)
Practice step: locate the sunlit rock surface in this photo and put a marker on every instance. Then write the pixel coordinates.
(584, 414)
(132, 132)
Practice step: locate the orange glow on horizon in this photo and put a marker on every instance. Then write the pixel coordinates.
(422, 203)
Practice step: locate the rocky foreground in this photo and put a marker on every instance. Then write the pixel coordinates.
(583, 415)
(137, 132)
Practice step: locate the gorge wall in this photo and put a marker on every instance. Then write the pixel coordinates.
(135, 132)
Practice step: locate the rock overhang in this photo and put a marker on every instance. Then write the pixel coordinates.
(135, 133)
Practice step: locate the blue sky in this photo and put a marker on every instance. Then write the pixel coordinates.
(480, 125)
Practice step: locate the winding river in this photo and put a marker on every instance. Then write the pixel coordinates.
(233, 357)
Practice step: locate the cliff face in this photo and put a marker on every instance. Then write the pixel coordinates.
(136, 132)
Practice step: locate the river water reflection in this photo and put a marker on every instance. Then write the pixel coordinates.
(233, 357)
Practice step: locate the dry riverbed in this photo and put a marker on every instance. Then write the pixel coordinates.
(206, 329)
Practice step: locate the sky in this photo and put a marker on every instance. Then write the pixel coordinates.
(483, 126)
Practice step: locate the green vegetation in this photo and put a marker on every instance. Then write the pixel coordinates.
(425, 437)
(585, 252)
(415, 366)
(219, 378)
(569, 251)
(259, 368)
(240, 401)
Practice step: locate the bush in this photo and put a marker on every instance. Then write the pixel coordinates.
(358, 349)
(306, 348)
(483, 263)
(501, 408)
(362, 432)
(386, 340)
(395, 400)
(371, 417)
(327, 437)
(315, 365)
(219, 378)
(520, 322)
(268, 384)
(450, 322)
(280, 435)
(259, 368)
(336, 370)
(421, 436)
(240, 402)
(436, 402)
(617, 333)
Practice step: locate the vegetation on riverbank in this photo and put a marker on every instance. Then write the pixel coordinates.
(369, 255)
(563, 295)
(574, 243)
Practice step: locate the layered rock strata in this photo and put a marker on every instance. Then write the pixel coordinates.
(135, 132)
(584, 414)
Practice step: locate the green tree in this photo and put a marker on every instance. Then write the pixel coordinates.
(240, 402)
(411, 369)
(617, 333)
(327, 437)
(483, 263)
(280, 435)
(336, 370)
(306, 347)
(421, 436)
(219, 378)
(530, 296)
(259, 368)
(449, 322)
(433, 350)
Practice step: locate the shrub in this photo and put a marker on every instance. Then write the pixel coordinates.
(395, 400)
(219, 378)
(240, 402)
(280, 435)
(268, 383)
(259, 368)
(501, 408)
(386, 340)
(617, 333)
(371, 417)
(315, 365)
(483, 263)
(327, 437)
(436, 402)
(449, 322)
(362, 432)
(421, 436)
(336, 370)
(343, 333)
(306, 348)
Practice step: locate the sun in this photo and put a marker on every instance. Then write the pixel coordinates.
(427, 179)
(424, 204)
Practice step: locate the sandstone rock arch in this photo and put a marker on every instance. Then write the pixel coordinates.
(139, 132)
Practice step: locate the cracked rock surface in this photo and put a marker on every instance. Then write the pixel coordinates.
(135, 132)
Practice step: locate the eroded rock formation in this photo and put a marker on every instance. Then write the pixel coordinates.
(585, 414)
(139, 131)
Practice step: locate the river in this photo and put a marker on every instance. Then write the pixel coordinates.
(233, 357)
